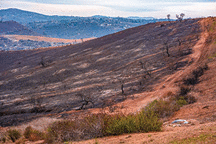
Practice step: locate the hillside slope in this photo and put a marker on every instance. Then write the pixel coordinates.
(148, 62)
(201, 115)
(58, 78)
(12, 27)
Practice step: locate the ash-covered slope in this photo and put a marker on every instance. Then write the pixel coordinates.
(58, 79)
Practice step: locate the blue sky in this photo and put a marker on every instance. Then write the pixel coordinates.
(123, 8)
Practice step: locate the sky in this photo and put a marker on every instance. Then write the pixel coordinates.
(114, 8)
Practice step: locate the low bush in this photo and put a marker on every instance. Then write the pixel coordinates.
(193, 78)
(98, 125)
(190, 99)
(79, 129)
(21, 141)
(164, 108)
(14, 134)
(184, 90)
(181, 101)
(32, 134)
(3, 139)
(182, 98)
(145, 121)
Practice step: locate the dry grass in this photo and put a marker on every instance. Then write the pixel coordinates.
(32, 134)
(14, 134)
(99, 125)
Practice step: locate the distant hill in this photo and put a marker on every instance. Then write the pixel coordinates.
(70, 27)
(12, 27)
(21, 16)
(84, 27)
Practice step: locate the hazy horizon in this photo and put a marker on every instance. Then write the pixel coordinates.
(115, 8)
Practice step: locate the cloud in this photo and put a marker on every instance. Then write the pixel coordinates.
(143, 8)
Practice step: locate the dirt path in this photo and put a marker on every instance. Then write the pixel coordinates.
(193, 57)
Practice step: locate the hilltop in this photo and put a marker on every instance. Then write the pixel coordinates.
(121, 72)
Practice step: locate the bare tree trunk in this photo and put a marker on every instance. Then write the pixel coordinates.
(167, 51)
(180, 42)
(122, 88)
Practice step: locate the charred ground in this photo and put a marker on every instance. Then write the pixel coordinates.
(36, 83)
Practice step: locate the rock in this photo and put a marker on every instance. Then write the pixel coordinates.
(180, 121)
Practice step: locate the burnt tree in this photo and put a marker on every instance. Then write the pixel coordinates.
(167, 48)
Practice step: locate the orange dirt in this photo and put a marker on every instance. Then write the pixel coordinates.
(46, 39)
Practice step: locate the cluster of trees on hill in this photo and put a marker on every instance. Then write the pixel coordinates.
(179, 17)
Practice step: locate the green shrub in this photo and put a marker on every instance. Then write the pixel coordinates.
(163, 108)
(145, 121)
(119, 124)
(14, 134)
(98, 125)
(181, 101)
(32, 134)
(3, 139)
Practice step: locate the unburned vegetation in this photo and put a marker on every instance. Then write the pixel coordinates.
(99, 125)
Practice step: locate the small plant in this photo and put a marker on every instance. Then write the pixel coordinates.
(3, 139)
(184, 90)
(14, 134)
(21, 141)
(193, 78)
(149, 135)
(183, 98)
(212, 56)
(163, 108)
(181, 101)
(32, 134)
